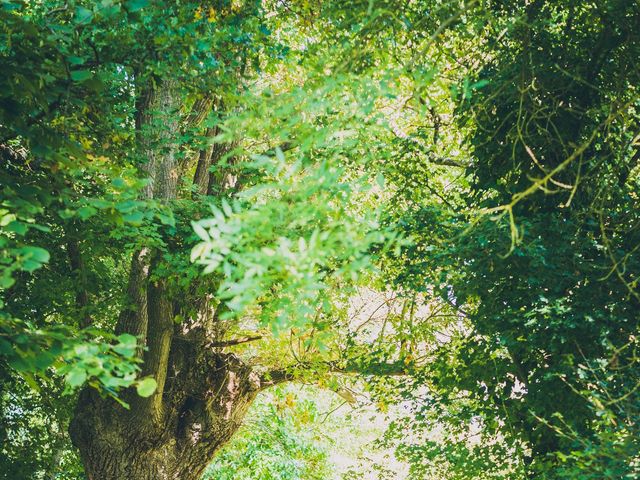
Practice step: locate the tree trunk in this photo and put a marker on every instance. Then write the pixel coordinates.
(202, 394)
(204, 405)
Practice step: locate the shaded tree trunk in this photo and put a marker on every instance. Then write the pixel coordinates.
(202, 394)
(202, 409)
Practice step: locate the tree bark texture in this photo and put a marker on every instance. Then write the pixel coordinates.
(202, 394)
(206, 397)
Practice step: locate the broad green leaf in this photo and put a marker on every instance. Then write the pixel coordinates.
(81, 75)
(76, 377)
(37, 254)
(127, 339)
(135, 5)
(200, 231)
(146, 387)
(134, 218)
(83, 15)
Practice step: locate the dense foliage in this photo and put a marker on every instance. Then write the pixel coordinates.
(431, 201)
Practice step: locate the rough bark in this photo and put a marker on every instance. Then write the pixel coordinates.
(202, 394)
(158, 127)
(210, 182)
(205, 400)
(201, 177)
(79, 270)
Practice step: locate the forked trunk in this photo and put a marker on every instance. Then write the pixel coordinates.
(202, 394)
(199, 416)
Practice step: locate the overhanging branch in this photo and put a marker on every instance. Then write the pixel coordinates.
(293, 372)
(235, 341)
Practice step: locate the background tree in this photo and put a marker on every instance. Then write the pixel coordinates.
(544, 277)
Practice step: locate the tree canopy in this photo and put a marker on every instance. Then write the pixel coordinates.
(433, 202)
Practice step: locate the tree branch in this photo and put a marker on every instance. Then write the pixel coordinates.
(291, 373)
(235, 341)
(159, 337)
(78, 268)
(448, 162)
(431, 158)
(199, 112)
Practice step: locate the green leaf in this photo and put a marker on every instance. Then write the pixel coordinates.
(6, 281)
(226, 208)
(128, 339)
(135, 5)
(125, 350)
(76, 377)
(134, 218)
(108, 9)
(81, 75)
(167, 219)
(480, 84)
(31, 381)
(37, 254)
(73, 60)
(83, 15)
(199, 250)
(18, 227)
(200, 231)
(5, 347)
(119, 182)
(146, 387)
(7, 219)
(86, 212)
(127, 346)
(9, 5)
(30, 265)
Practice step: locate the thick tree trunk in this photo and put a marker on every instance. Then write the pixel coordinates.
(202, 394)
(204, 405)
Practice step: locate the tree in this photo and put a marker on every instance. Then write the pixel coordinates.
(181, 179)
(543, 264)
(123, 101)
